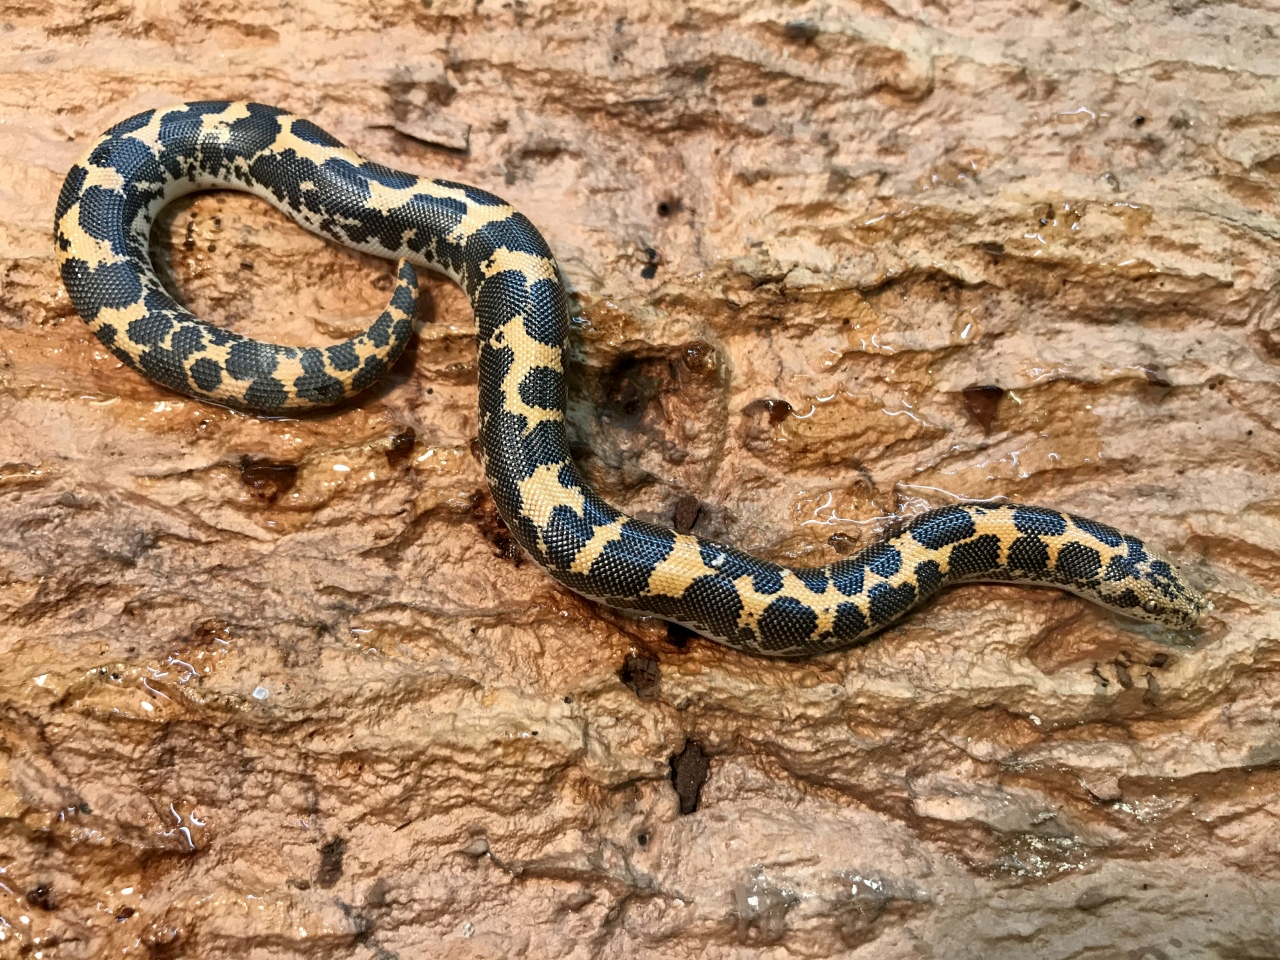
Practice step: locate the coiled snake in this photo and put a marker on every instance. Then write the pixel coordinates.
(104, 217)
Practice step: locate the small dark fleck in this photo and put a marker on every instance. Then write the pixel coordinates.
(805, 31)
(679, 635)
(1152, 694)
(246, 265)
(377, 895)
(650, 269)
(686, 513)
(842, 543)
(759, 100)
(667, 207)
(1156, 376)
(699, 356)
(777, 410)
(981, 401)
(41, 897)
(267, 479)
(213, 248)
(642, 839)
(642, 675)
(1159, 661)
(494, 529)
(993, 249)
(298, 883)
(330, 870)
(689, 769)
(1093, 898)
(124, 913)
(1139, 121)
(401, 447)
(1123, 675)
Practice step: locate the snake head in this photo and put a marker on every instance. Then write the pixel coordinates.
(1158, 593)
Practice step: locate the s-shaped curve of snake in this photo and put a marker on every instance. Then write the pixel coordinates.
(104, 218)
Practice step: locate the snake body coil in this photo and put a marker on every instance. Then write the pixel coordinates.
(104, 219)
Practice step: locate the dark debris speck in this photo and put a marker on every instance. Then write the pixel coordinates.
(685, 515)
(268, 480)
(642, 675)
(330, 870)
(41, 897)
(689, 770)
(981, 401)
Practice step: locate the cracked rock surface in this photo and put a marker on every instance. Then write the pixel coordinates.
(285, 688)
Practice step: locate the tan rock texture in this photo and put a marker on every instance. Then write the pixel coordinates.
(285, 689)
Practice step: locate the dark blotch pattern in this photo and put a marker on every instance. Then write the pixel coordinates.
(975, 557)
(883, 559)
(250, 360)
(849, 622)
(938, 528)
(622, 570)
(714, 604)
(565, 535)
(815, 578)
(308, 131)
(887, 603)
(928, 577)
(786, 624)
(206, 374)
(1108, 535)
(1038, 520)
(1029, 554)
(1076, 561)
(849, 576)
(543, 388)
(1119, 568)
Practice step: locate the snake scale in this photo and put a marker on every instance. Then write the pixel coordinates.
(104, 216)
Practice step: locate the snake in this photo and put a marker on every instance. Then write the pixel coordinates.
(105, 212)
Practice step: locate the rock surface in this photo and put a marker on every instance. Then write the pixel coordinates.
(284, 688)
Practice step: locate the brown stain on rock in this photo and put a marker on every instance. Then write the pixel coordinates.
(267, 479)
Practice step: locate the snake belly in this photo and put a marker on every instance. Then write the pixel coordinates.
(104, 215)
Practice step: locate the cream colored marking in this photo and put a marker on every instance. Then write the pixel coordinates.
(120, 318)
(752, 608)
(91, 250)
(479, 216)
(529, 353)
(217, 124)
(542, 492)
(529, 265)
(108, 178)
(601, 537)
(678, 569)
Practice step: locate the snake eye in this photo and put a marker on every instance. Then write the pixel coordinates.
(1151, 606)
